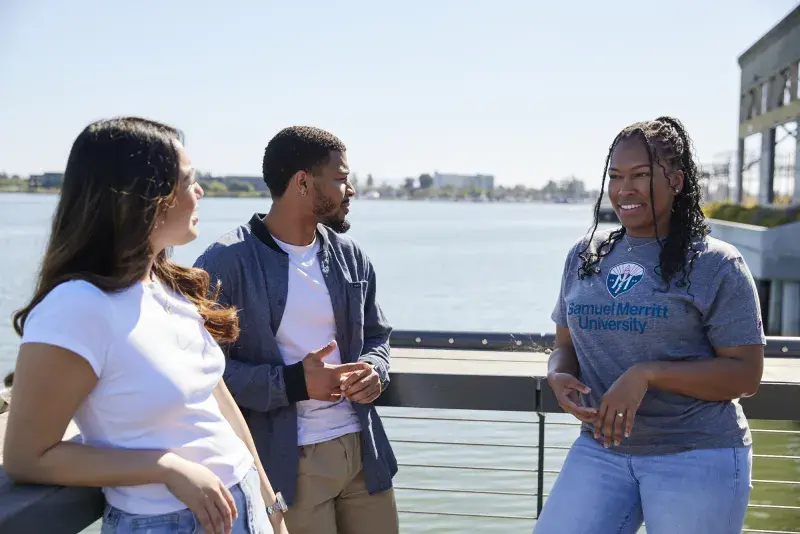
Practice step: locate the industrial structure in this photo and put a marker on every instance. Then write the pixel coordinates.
(769, 107)
(769, 112)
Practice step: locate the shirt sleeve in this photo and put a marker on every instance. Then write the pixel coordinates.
(734, 316)
(76, 316)
(559, 315)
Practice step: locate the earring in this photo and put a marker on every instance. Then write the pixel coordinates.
(677, 190)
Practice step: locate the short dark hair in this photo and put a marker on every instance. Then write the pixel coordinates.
(293, 149)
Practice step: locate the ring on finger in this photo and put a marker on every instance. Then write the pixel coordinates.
(620, 414)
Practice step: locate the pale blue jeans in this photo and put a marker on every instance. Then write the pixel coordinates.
(600, 491)
(249, 503)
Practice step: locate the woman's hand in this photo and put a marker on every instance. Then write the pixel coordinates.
(618, 409)
(203, 493)
(278, 523)
(566, 388)
(276, 519)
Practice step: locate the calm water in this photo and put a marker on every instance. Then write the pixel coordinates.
(448, 266)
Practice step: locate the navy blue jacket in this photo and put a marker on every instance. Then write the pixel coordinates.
(254, 273)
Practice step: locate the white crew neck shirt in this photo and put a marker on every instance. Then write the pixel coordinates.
(308, 324)
(157, 367)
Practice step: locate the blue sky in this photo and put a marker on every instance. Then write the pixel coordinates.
(527, 90)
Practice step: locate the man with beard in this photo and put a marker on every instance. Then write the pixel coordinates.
(313, 353)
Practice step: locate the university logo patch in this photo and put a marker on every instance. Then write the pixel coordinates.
(622, 277)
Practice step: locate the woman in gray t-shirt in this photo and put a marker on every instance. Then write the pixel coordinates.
(658, 331)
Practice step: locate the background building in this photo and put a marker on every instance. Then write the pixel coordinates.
(484, 182)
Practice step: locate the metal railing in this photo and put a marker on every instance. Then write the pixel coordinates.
(766, 405)
(777, 347)
(534, 500)
(520, 401)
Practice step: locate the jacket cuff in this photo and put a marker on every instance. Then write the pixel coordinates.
(294, 377)
(379, 366)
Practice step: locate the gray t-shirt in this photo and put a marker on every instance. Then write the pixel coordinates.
(622, 316)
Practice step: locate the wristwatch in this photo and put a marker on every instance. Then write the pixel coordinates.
(278, 506)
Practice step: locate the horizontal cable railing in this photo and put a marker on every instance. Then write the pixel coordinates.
(448, 495)
(447, 492)
(542, 343)
(484, 447)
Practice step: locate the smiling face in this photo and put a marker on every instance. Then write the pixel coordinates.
(331, 193)
(629, 187)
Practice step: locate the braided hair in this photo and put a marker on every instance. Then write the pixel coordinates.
(669, 146)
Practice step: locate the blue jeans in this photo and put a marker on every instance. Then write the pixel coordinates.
(600, 491)
(247, 494)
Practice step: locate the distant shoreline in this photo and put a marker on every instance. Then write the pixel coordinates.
(265, 194)
(227, 194)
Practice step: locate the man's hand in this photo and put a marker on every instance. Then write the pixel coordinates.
(323, 379)
(362, 385)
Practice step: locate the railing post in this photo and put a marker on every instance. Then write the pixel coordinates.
(540, 450)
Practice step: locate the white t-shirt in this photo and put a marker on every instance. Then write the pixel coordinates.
(308, 324)
(157, 367)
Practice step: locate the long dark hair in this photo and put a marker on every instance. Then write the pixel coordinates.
(669, 146)
(121, 175)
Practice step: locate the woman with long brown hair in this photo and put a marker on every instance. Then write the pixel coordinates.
(124, 342)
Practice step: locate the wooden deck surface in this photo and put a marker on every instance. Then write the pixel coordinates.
(471, 362)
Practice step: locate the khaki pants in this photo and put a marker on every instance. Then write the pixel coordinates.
(332, 495)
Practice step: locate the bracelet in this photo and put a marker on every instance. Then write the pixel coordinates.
(278, 506)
